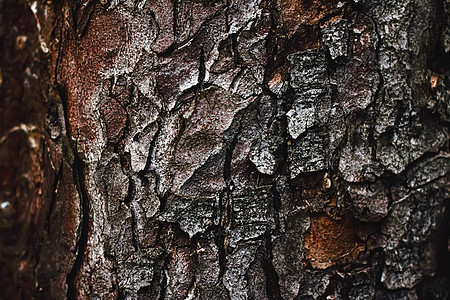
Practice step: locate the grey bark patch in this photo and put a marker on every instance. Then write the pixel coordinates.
(251, 215)
(408, 143)
(139, 148)
(335, 36)
(194, 215)
(312, 102)
(288, 251)
(238, 262)
(412, 219)
(266, 153)
(356, 163)
(363, 285)
(113, 182)
(370, 203)
(137, 271)
(428, 170)
(314, 284)
(307, 154)
(206, 263)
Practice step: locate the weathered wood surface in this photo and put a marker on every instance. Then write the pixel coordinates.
(228, 149)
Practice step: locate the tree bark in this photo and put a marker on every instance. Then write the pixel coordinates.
(224, 149)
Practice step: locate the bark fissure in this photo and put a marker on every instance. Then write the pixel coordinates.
(56, 181)
(78, 168)
(272, 286)
(79, 178)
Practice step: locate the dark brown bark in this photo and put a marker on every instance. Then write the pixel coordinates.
(243, 149)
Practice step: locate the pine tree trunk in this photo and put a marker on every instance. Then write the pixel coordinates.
(224, 149)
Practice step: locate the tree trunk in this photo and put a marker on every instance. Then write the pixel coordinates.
(224, 149)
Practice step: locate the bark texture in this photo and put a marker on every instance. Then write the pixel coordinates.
(224, 149)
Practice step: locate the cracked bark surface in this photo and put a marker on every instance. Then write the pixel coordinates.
(226, 149)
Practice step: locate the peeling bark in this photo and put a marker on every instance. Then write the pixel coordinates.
(224, 149)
